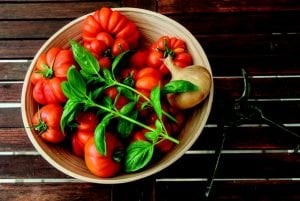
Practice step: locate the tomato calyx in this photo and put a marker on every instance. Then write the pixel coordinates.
(47, 72)
(167, 51)
(41, 127)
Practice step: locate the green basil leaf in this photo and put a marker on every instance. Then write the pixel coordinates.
(155, 100)
(118, 62)
(127, 108)
(99, 134)
(127, 93)
(67, 90)
(179, 86)
(97, 92)
(138, 155)
(76, 83)
(85, 59)
(107, 76)
(70, 110)
(152, 136)
(125, 127)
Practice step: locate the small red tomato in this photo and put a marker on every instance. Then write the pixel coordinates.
(46, 122)
(120, 45)
(164, 145)
(100, 165)
(155, 58)
(147, 82)
(138, 59)
(106, 38)
(105, 62)
(111, 92)
(87, 121)
(96, 47)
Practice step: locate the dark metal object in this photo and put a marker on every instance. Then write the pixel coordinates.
(235, 113)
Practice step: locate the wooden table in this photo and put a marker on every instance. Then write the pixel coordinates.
(258, 162)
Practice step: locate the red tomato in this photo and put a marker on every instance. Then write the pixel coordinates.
(77, 146)
(46, 122)
(56, 62)
(112, 22)
(147, 78)
(106, 38)
(87, 121)
(155, 58)
(111, 92)
(139, 135)
(138, 59)
(100, 165)
(147, 82)
(183, 59)
(49, 91)
(164, 145)
(96, 47)
(105, 62)
(120, 45)
(122, 100)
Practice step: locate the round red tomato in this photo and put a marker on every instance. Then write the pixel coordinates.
(138, 59)
(100, 165)
(147, 78)
(46, 122)
(120, 45)
(87, 123)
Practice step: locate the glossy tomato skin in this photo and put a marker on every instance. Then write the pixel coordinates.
(147, 78)
(120, 45)
(47, 91)
(50, 115)
(138, 59)
(108, 25)
(87, 123)
(55, 62)
(100, 165)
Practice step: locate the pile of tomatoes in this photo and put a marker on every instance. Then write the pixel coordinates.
(106, 34)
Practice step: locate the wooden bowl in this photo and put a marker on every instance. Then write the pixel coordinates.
(151, 25)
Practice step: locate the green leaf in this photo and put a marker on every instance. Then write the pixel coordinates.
(76, 83)
(138, 155)
(67, 90)
(155, 100)
(108, 76)
(127, 108)
(125, 127)
(70, 110)
(99, 134)
(96, 93)
(127, 93)
(179, 86)
(85, 59)
(152, 136)
(118, 62)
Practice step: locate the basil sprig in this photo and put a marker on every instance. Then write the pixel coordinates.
(85, 88)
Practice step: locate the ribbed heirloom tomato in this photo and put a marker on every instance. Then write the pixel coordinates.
(50, 70)
(100, 165)
(165, 46)
(46, 122)
(112, 28)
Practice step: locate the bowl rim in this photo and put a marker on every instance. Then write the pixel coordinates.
(134, 176)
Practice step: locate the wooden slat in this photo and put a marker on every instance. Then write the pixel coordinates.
(246, 22)
(13, 70)
(55, 191)
(10, 92)
(149, 4)
(229, 190)
(258, 165)
(14, 140)
(194, 6)
(30, 29)
(58, 9)
(11, 118)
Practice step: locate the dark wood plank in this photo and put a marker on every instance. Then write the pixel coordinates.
(14, 140)
(195, 6)
(248, 165)
(10, 92)
(30, 29)
(13, 70)
(55, 191)
(246, 22)
(258, 165)
(247, 137)
(229, 190)
(11, 118)
(58, 9)
(27, 166)
(149, 5)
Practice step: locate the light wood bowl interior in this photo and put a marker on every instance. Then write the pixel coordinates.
(152, 26)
